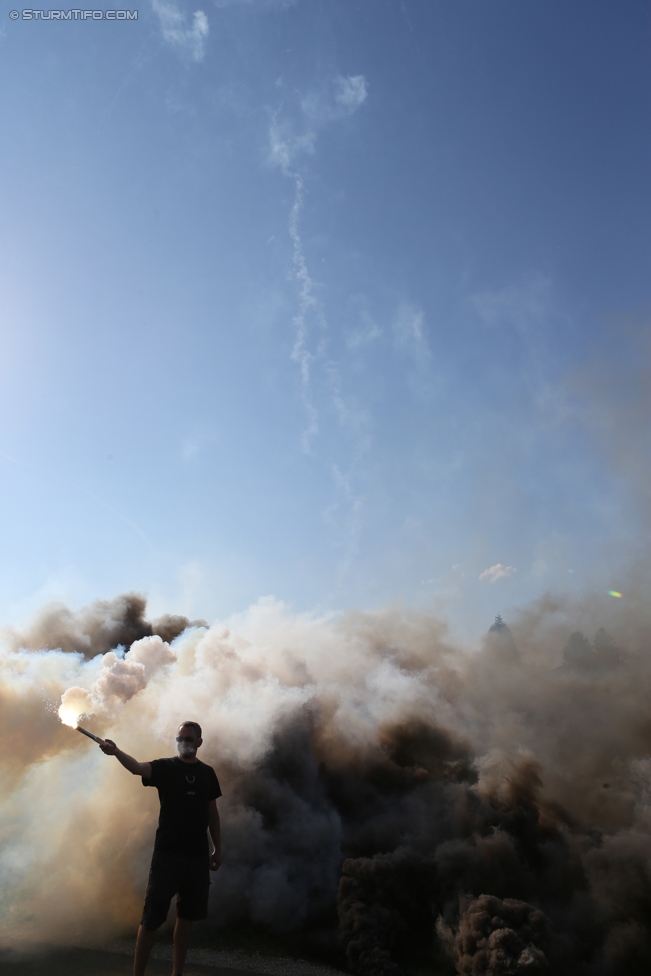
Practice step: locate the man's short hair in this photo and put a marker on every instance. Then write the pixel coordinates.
(193, 725)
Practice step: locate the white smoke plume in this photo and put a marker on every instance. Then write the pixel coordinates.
(376, 777)
(118, 681)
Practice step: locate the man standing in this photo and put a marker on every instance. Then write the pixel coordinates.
(188, 790)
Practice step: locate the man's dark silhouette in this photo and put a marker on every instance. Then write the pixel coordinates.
(188, 790)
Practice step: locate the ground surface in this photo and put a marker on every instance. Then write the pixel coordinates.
(52, 961)
(87, 962)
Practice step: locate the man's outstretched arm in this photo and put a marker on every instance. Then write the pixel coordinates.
(109, 748)
(215, 835)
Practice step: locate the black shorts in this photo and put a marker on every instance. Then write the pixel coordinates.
(183, 875)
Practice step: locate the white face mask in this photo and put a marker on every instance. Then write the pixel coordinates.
(186, 749)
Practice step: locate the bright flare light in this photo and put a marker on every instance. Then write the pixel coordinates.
(614, 593)
(68, 716)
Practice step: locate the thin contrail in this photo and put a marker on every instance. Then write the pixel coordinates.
(69, 484)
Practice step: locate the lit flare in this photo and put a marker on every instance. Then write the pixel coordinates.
(70, 717)
(89, 734)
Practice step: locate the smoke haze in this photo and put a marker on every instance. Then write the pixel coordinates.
(389, 794)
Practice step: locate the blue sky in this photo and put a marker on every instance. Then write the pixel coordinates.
(345, 302)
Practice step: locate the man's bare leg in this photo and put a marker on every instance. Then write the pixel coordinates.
(182, 931)
(144, 943)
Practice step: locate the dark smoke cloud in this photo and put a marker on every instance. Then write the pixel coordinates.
(498, 937)
(394, 799)
(97, 628)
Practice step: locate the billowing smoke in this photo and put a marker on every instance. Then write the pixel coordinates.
(96, 629)
(398, 800)
(496, 937)
(117, 682)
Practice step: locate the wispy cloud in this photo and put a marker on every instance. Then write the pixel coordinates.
(498, 571)
(285, 144)
(341, 98)
(408, 330)
(344, 98)
(289, 139)
(307, 307)
(368, 330)
(529, 309)
(350, 92)
(524, 306)
(347, 504)
(187, 37)
(410, 339)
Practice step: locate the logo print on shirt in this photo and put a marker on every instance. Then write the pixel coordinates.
(189, 779)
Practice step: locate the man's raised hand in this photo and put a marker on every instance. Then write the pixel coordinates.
(108, 747)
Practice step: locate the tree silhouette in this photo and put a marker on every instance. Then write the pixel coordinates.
(605, 649)
(578, 653)
(581, 655)
(499, 624)
(500, 641)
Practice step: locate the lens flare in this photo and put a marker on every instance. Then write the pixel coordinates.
(614, 593)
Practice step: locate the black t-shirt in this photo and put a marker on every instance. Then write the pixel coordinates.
(185, 790)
